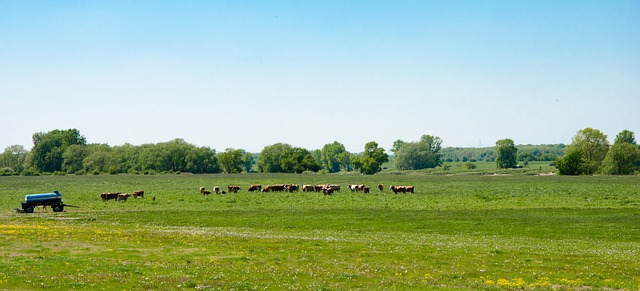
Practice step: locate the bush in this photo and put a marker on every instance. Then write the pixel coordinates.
(470, 166)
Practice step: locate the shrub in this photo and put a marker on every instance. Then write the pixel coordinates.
(470, 166)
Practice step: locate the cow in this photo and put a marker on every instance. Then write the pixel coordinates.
(278, 187)
(365, 189)
(307, 188)
(202, 190)
(109, 196)
(320, 188)
(206, 192)
(254, 187)
(327, 191)
(233, 189)
(266, 188)
(138, 193)
(380, 187)
(216, 189)
(402, 189)
(292, 187)
(123, 197)
(336, 188)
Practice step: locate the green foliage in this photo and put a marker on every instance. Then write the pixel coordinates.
(418, 155)
(48, 148)
(283, 158)
(506, 153)
(622, 159)
(625, 136)
(571, 164)
(470, 166)
(371, 160)
(332, 157)
(592, 144)
(231, 160)
(14, 158)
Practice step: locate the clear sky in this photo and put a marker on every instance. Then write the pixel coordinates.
(247, 74)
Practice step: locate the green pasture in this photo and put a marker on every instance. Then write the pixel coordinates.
(473, 231)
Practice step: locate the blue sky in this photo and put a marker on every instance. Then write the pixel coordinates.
(247, 74)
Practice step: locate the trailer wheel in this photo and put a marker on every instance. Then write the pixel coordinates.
(57, 208)
(28, 209)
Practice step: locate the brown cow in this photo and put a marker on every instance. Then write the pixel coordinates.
(216, 189)
(202, 190)
(380, 187)
(365, 189)
(123, 197)
(292, 187)
(308, 188)
(109, 196)
(138, 193)
(327, 191)
(335, 187)
(233, 189)
(254, 187)
(278, 187)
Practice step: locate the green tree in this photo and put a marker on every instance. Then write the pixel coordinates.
(330, 156)
(506, 152)
(99, 158)
(625, 136)
(622, 159)
(419, 155)
(73, 158)
(571, 164)
(248, 160)
(372, 159)
(48, 148)
(593, 146)
(14, 157)
(231, 160)
(202, 160)
(270, 157)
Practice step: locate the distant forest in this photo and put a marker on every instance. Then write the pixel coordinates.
(545, 152)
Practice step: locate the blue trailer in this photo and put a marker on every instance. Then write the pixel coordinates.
(45, 199)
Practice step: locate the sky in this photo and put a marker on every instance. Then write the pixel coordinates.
(249, 74)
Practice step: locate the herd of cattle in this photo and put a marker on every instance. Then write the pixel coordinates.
(117, 196)
(327, 189)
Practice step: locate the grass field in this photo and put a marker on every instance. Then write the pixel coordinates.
(457, 231)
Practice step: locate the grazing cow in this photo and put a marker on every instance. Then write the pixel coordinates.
(109, 196)
(380, 187)
(123, 197)
(336, 188)
(216, 189)
(327, 191)
(292, 187)
(266, 188)
(233, 189)
(365, 190)
(254, 187)
(277, 188)
(206, 192)
(307, 188)
(202, 190)
(139, 193)
(402, 189)
(321, 187)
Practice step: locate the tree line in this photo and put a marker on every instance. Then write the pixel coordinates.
(67, 152)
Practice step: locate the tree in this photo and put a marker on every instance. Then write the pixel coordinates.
(506, 152)
(593, 146)
(14, 157)
(372, 159)
(570, 164)
(330, 156)
(622, 159)
(73, 158)
(270, 156)
(231, 160)
(48, 148)
(625, 136)
(418, 155)
(248, 160)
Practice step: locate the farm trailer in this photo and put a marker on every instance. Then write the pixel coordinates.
(45, 199)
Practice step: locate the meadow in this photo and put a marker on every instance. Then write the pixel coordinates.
(460, 231)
